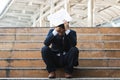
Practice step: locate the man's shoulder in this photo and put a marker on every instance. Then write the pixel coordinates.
(73, 31)
(51, 30)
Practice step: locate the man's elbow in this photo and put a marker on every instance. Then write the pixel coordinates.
(46, 44)
(74, 44)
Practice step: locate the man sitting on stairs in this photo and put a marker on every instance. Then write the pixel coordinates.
(60, 45)
(62, 52)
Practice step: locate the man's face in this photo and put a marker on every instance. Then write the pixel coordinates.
(60, 31)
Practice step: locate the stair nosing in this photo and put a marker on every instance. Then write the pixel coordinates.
(44, 68)
(40, 49)
(88, 78)
(42, 59)
(44, 34)
(40, 41)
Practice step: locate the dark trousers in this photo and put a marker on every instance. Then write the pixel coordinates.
(67, 61)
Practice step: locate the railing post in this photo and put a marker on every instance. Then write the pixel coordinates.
(90, 12)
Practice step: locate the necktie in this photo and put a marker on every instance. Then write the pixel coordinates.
(61, 55)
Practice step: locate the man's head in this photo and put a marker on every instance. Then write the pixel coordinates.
(60, 29)
(61, 26)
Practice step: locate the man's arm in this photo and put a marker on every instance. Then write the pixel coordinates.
(49, 37)
(52, 33)
(71, 36)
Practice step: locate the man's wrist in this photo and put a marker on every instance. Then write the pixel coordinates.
(55, 32)
(67, 31)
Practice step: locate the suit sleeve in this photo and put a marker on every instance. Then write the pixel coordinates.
(49, 38)
(72, 38)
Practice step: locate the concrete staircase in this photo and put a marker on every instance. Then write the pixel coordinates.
(20, 53)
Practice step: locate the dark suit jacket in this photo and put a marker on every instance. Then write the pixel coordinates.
(58, 44)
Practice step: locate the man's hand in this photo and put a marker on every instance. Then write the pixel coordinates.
(60, 30)
(57, 29)
(66, 25)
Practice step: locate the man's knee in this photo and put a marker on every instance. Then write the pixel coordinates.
(45, 49)
(75, 54)
(74, 49)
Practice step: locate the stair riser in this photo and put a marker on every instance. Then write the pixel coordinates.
(86, 45)
(44, 30)
(7, 38)
(88, 38)
(60, 73)
(20, 54)
(22, 63)
(37, 54)
(7, 30)
(40, 63)
(42, 37)
(99, 54)
(24, 73)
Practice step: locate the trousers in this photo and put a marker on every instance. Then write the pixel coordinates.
(66, 61)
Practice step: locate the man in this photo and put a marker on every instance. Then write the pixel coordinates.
(63, 51)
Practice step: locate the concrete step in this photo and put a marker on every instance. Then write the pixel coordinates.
(61, 78)
(43, 29)
(20, 52)
(81, 45)
(41, 37)
(40, 41)
(38, 62)
(23, 29)
(78, 73)
(44, 34)
(37, 53)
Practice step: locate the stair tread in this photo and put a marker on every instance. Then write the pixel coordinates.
(40, 49)
(41, 58)
(43, 68)
(42, 34)
(88, 78)
(99, 52)
(38, 41)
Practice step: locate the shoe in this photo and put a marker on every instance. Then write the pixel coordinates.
(76, 63)
(52, 75)
(67, 75)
